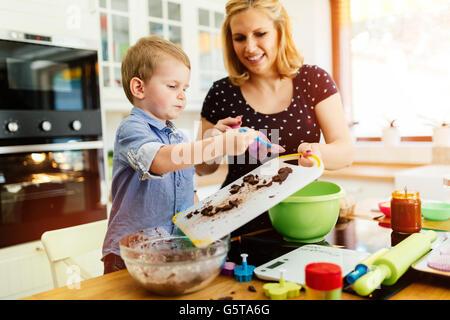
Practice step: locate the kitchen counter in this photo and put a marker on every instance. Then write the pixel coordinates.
(359, 170)
(369, 171)
(120, 286)
(357, 231)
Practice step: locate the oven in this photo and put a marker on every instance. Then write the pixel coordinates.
(52, 171)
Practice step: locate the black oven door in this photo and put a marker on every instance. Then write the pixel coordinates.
(47, 77)
(42, 190)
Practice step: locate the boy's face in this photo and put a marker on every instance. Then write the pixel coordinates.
(164, 93)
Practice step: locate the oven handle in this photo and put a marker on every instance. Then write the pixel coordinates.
(85, 145)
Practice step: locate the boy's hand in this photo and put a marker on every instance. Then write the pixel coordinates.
(236, 142)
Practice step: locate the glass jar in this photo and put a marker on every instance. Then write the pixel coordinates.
(406, 211)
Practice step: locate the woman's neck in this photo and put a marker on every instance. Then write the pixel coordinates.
(266, 83)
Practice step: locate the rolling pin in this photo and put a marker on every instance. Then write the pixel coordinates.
(364, 266)
(393, 264)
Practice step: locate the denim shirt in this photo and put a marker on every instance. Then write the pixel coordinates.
(141, 199)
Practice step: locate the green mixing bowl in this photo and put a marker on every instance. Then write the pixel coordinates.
(436, 210)
(309, 214)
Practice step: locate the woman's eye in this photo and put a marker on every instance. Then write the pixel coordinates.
(171, 86)
(239, 39)
(261, 34)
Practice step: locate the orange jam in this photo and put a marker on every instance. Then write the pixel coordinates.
(406, 212)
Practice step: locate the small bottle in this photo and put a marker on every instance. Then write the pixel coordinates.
(406, 211)
(323, 281)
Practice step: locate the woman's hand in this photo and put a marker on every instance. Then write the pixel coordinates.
(228, 123)
(306, 149)
(222, 126)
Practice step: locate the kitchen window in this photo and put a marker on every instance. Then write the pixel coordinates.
(164, 20)
(210, 47)
(123, 22)
(115, 39)
(391, 63)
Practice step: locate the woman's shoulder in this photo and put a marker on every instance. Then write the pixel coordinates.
(315, 82)
(222, 83)
(306, 69)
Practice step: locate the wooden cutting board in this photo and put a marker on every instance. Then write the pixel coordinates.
(250, 201)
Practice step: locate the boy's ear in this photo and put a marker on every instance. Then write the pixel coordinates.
(137, 88)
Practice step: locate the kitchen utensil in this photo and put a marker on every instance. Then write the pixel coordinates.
(392, 265)
(445, 250)
(385, 208)
(244, 272)
(434, 210)
(261, 138)
(439, 248)
(171, 265)
(228, 269)
(246, 199)
(282, 290)
(258, 138)
(296, 260)
(259, 151)
(364, 266)
(439, 262)
(309, 214)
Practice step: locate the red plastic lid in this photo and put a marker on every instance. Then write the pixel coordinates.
(323, 276)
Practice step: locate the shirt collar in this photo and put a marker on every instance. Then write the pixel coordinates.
(169, 126)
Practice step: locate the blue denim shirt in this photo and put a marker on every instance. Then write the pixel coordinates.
(141, 199)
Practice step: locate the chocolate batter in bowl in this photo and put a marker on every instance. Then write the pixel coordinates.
(171, 265)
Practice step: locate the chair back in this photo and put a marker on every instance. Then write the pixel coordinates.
(74, 253)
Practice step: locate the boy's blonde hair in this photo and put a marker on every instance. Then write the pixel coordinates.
(140, 59)
(288, 61)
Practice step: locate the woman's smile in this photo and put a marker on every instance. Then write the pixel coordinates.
(254, 59)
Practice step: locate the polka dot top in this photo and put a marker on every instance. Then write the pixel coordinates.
(288, 128)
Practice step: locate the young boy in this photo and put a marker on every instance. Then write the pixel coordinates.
(153, 161)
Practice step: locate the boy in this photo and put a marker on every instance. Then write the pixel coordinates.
(153, 162)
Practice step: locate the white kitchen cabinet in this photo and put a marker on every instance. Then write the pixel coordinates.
(24, 270)
(61, 19)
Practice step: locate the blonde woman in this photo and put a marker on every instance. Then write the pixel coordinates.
(271, 90)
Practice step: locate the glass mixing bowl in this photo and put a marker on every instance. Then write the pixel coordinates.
(171, 265)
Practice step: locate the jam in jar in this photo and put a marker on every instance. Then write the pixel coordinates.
(406, 212)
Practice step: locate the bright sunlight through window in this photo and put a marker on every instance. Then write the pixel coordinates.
(400, 65)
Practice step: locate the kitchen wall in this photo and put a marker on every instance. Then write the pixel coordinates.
(79, 19)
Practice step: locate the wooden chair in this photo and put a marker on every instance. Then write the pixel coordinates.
(74, 253)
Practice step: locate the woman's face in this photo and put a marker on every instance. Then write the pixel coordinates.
(255, 41)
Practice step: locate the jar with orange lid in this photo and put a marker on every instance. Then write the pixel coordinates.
(406, 211)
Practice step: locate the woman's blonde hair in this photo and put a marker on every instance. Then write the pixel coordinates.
(140, 59)
(288, 61)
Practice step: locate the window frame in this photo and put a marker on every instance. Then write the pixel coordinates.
(213, 31)
(342, 62)
(138, 22)
(110, 63)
